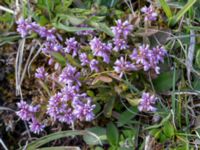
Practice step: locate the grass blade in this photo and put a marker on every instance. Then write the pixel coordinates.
(69, 28)
(181, 13)
(54, 136)
(166, 8)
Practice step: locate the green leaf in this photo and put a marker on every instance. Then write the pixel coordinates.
(54, 136)
(160, 124)
(60, 148)
(112, 134)
(109, 3)
(108, 107)
(166, 8)
(72, 61)
(99, 132)
(59, 57)
(168, 129)
(198, 57)
(70, 29)
(102, 27)
(165, 81)
(181, 13)
(126, 116)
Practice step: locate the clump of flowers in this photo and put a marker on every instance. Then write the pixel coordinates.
(72, 46)
(149, 58)
(27, 112)
(69, 102)
(41, 73)
(146, 103)
(149, 12)
(121, 32)
(101, 49)
(121, 66)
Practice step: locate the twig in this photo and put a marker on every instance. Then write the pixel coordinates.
(2, 143)
(7, 9)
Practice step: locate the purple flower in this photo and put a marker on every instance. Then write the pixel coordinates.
(70, 76)
(150, 14)
(84, 59)
(67, 116)
(149, 59)
(158, 53)
(35, 27)
(122, 29)
(51, 46)
(121, 32)
(94, 65)
(119, 44)
(121, 66)
(101, 49)
(26, 112)
(51, 61)
(53, 105)
(48, 34)
(35, 126)
(41, 73)
(23, 27)
(83, 111)
(72, 46)
(146, 102)
(140, 55)
(69, 92)
(59, 107)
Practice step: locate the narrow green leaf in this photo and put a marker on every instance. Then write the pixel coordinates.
(102, 27)
(166, 8)
(72, 61)
(198, 58)
(70, 29)
(99, 132)
(108, 107)
(126, 116)
(59, 57)
(60, 148)
(165, 80)
(160, 124)
(112, 134)
(109, 3)
(168, 129)
(181, 13)
(54, 136)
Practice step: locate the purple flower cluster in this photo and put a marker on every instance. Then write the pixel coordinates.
(146, 102)
(24, 28)
(121, 32)
(101, 49)
(70, 105)
(49, 46)
(121, 66)
(27, 113)
(51, 43)
(93, 64)
(70, 76)
(148, 58)
(149, 12)
(72, 46)
(84, 59)
(41, 73)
